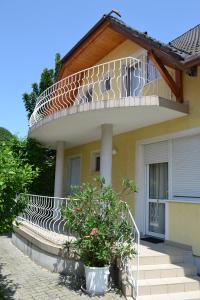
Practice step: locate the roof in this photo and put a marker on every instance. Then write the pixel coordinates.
(183, 52)
(188, 43)
(156, 43)
(182, 47)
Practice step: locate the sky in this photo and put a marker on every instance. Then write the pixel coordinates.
(32, 31)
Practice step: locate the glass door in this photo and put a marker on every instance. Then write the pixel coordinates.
(133, 80)
(157, 192)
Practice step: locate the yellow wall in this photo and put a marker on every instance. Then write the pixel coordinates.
(184, 218)
(184, 224)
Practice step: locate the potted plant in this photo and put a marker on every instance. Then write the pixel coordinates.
(96, 214)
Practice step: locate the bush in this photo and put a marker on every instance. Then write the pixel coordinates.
(15, 177)
(97, 216)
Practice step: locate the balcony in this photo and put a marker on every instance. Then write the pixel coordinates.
(126, 92)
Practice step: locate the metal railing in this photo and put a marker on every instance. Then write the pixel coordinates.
(132, 266)
(42, 215)
(113, 80)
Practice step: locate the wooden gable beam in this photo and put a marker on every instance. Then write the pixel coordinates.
(175, 86)
(179, 82)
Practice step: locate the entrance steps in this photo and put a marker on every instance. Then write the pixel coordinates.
(166, 272)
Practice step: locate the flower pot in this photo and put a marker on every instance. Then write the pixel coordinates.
(97, 279)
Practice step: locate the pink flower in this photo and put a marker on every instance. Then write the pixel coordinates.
(77, 209)
(93, 232)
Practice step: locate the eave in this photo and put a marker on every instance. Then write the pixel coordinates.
(122, 32)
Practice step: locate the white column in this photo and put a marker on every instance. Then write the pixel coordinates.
(59, 172)
(106, 152)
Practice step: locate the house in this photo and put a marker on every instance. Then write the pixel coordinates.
(127, 105)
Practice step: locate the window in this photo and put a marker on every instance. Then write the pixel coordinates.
(152, 72)
(95, 167)
(105, 84)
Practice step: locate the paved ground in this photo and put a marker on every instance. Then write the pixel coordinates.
(22, 279)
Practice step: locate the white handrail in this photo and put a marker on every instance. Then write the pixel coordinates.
(134, 281)
(121, 78)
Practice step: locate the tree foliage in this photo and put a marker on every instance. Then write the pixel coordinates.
(47, 78)
(33, 151)
(15, 177)
(5, 134)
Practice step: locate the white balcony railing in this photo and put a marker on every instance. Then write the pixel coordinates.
(43, 217)
(113, 80)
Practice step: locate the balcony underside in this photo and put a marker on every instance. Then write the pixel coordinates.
(80, 124)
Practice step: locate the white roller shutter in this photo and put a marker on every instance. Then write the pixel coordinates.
(186, 167)
(156, 152)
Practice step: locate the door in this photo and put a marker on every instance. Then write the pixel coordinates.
(157, 194)
(133, 80)
(74, 172)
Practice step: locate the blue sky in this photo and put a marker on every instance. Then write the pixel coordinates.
(32, 31)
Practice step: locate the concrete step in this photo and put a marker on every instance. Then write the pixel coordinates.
(163, 254)
(168, 285)
(173, 296)
(166, 259)
(166, 271)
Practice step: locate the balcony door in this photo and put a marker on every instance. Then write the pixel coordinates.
(157, 191)
(132, 79)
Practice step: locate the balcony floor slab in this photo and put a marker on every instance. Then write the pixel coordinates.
(80, 124)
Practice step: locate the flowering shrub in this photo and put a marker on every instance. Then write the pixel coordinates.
(97, 216)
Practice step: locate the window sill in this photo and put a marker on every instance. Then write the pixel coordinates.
(185, 200)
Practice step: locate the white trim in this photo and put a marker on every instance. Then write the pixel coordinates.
(164, 137)
(140, 196)
(147, 201)
(182, 200)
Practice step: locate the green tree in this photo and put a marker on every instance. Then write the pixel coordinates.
(15, 177)
(33, 151)
(5, 134)
(47, 78)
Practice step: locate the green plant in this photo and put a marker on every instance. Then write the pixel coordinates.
(5, 134)
(97, 216)
(15, 177)
(33, 153)
(47, 78)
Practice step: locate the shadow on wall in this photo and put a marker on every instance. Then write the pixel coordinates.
(7, 286)
(72, 276)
